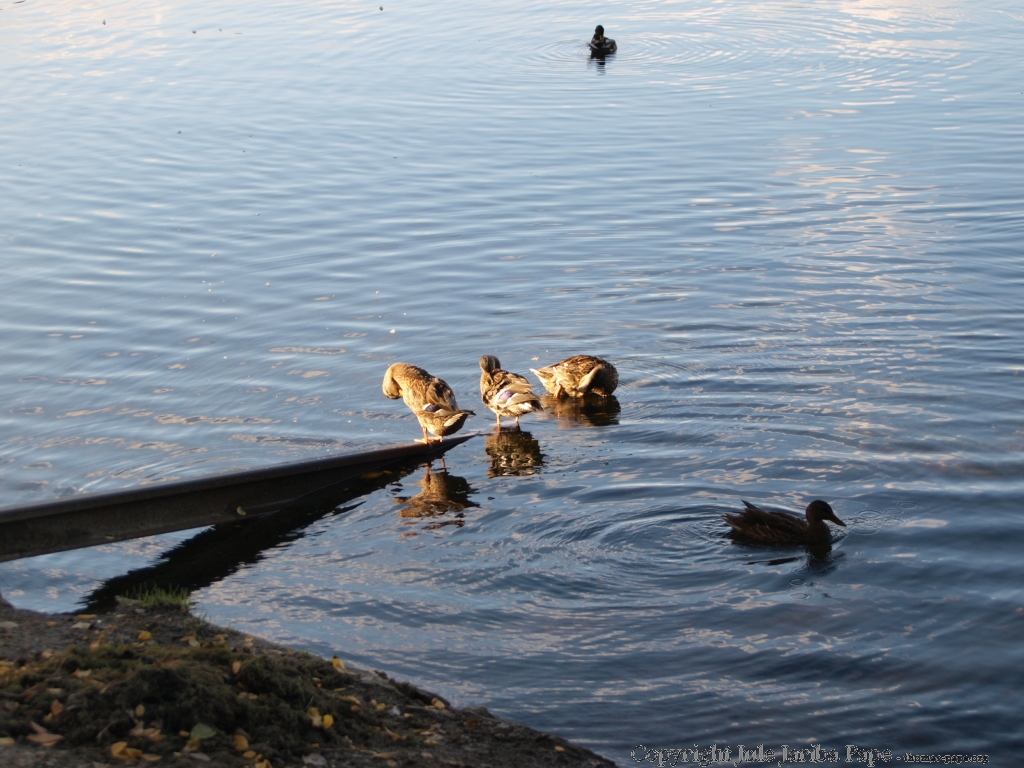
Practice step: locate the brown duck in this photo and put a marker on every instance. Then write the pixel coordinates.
(579, 376)
(601, 45)
(429, 397)
(759, 526)
(507, 394)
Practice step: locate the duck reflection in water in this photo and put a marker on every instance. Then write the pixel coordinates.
(820, 560)
(589, 411)
(817, 562)
(513, 453)
(442, 493)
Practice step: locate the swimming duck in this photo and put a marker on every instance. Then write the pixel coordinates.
(759, 526)
(507, 394)
(429, 397)
(578, 376)
(601, 45)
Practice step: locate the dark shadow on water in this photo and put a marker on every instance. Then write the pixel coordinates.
(219, 551)
(513, 452)
(590, 411)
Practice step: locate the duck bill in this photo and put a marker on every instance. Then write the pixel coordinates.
(836, 520)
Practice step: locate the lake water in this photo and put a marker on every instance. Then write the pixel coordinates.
(796, 228)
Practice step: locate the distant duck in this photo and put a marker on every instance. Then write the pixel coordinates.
(507, 394)
(601, 45)
(578, 376)
(429, 397)
(759, 526)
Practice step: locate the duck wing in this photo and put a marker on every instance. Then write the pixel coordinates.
(437, 410)
(602, 378)
(438, 397)
(506, 389)
(765, 526)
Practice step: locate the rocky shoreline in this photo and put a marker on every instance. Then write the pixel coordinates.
(146, 685)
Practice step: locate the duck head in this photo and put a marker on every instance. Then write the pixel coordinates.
(819, 510)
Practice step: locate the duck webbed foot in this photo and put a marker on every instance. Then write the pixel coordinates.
(426, 439)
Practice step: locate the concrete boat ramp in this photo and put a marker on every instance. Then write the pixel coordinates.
(291, 495)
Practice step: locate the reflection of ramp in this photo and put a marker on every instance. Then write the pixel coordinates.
(91, 519)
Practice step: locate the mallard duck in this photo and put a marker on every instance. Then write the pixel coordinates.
(601, 45)
(429, 397)
(578, 376)
(759, 526)
(507, 394)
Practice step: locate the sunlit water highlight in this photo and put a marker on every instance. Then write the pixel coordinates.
(796, 229)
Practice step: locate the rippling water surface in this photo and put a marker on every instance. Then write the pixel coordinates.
(796, 228)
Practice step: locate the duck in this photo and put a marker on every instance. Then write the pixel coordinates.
(507, 394)
(428, 397)
(601, 45)
(579, 376)
(759, 526)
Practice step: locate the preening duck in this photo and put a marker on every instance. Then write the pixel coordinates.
(578, 376)
(601, 45)
(507, 394)
(429, 397)
(760, 526)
